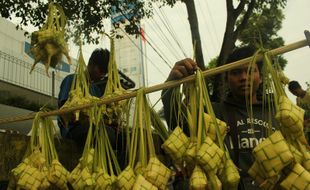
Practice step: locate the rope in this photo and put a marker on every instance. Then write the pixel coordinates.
(162, 86)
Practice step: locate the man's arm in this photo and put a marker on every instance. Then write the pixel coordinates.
(180, 70)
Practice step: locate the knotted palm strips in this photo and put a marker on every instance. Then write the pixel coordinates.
(80, 92)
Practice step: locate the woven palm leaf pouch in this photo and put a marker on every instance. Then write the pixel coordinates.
(198, 179)
(273, 154)
(176, 145)
(298, 179)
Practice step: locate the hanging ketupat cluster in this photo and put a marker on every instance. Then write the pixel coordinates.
(203, 154)
(80, 92)
(114, 112)
(40, 168)
(48, 44)
(282, 160)
(146, 171)
(98, 163)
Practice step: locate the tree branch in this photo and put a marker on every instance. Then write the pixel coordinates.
(240, 7)
(246, 18)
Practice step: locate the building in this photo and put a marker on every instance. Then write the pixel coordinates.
(18, 88)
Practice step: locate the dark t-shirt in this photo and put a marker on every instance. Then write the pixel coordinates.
(245, 132)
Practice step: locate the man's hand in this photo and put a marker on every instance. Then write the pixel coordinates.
(182, 69)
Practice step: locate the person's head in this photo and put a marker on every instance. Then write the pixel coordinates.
(98, 64)
(295, 88)
(236, 78)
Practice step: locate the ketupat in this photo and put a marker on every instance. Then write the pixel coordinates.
(273, 154)
(209, 156)
(157, 173)
(40, 167)
(230, 176)
(292, 118)
(175, 146)
(142, 184)
(198, 179)
(48, 44)
(298, 179)
(126, 179)
(211, 127)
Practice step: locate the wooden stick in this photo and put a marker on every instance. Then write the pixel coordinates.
(162, 86)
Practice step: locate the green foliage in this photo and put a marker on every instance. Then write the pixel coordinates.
(85, 17)
(262, 30)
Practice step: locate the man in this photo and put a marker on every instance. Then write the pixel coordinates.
(97, 68)
(303, 101)
(245, 131)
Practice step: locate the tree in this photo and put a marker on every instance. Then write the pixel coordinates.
(237, 21)
(263, 31)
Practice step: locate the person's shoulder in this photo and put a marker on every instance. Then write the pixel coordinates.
(69, 77)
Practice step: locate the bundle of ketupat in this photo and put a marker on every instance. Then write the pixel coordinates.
(150, 171)
(80, 92)
(40, 168)
(211, 154)
(105, 162)
(114, 112)
(176, 144)
(279, 157)
(48, 44)
(98, 163)
(203, 154)
(81, 176)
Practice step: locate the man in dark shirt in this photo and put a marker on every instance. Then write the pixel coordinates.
(97, 68)
(245, 131)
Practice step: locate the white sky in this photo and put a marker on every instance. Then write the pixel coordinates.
(212, 19)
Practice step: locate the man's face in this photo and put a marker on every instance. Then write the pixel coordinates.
(237, 78)
(95, 72)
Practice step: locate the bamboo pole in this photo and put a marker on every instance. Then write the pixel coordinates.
(162, 86)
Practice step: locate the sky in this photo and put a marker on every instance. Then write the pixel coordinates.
(212, 19)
